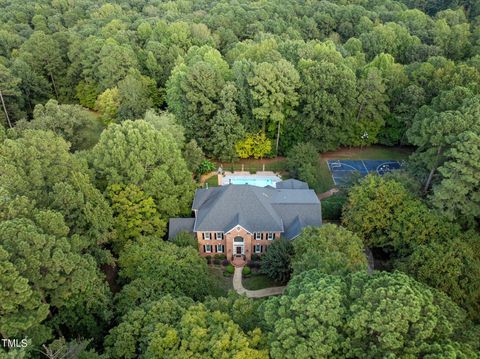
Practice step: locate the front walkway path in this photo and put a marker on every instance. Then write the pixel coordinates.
(238, 286)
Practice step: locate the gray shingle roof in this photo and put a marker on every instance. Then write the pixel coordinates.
(256, 209)
(291, 184)
(177, 225)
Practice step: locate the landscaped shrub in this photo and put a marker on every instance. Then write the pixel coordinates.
(255, 257)
(225, 262)
(254, 264)
(209, 259)
(217, 261)
(246, 271)
(229, 269)
(205, 167)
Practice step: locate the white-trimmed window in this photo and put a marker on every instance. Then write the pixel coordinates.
(206, 236)
(271, 236)
(220, 248)
(207, 248)
(257, 248)
(258, 236)
(219, 236)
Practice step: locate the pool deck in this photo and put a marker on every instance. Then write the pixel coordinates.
(264, 175)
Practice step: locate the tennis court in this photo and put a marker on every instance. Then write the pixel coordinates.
(342, 170)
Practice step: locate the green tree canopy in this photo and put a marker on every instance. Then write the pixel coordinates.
(38, 165)
(436, 129)
(327, 98)
(193, 91)
(276, 261)
(135, 152)
(302, 163)
(177, 328)
(193, 155)
(227, 130)
(153, 268)
(329, 248)
(135, 214)
(458, 193)
(72, 122)
(451, 266)
(363, 316)
(384, 214)
(58, 287)
(274, 92)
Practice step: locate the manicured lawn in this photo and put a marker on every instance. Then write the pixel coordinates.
(212, 181)
(259, 281)
(223, 284)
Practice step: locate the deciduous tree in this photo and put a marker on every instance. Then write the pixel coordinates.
(458, 193)
(72, 122)
(134, 215)
(153, 268)
(38, 165)
(331, 316)
(254, 145)
(330, 248)
(135, 152)
(274, 91)
(175, 328)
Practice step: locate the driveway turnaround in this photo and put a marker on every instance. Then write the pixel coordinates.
(266, 292)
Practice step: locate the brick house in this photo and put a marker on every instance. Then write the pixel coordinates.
(240, 220)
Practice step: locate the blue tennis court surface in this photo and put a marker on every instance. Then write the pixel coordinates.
(342, 170)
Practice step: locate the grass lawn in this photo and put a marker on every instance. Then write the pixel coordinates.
(212, 181)
(222, 284)
(259, 281)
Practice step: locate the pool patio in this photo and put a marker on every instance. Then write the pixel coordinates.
(259, 179)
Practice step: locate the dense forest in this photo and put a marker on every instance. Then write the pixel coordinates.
(109, 112)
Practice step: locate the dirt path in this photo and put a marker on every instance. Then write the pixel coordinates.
(266, 292)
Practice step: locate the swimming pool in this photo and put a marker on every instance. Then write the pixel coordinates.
(259, 181)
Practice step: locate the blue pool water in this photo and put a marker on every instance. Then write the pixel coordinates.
(259, 182)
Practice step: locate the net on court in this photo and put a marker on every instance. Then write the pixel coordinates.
(343, 170)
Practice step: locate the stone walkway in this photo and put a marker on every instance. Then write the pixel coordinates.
(238, 286)
(327, 194)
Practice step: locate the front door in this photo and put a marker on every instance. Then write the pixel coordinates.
(238, 250)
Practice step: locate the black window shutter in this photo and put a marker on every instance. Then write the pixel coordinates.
(204, 249)
(203, 236)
